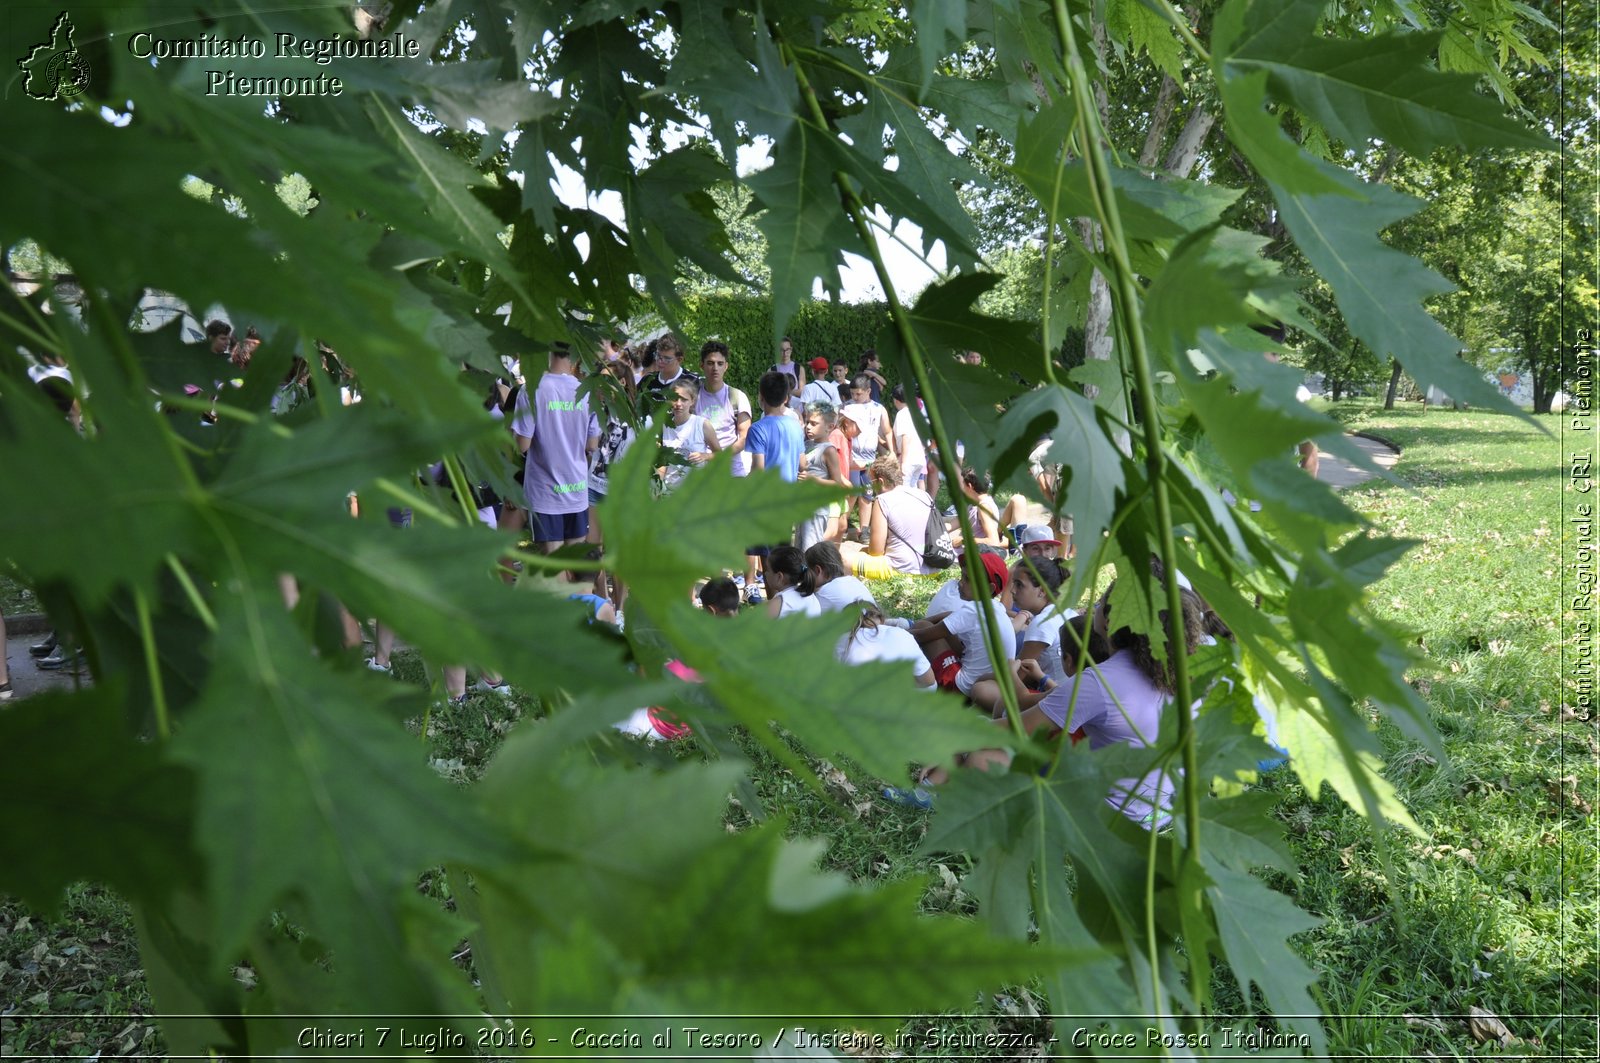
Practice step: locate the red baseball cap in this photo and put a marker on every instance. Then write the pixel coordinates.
(995, 566)
(819, 364)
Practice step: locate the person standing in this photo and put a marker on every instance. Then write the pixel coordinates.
(871, 439)
(821, 389)
(668, 371)
(787, 364)
(775, 442)
(725, 407)
(552, 429)
(872, 369)
(908, 446)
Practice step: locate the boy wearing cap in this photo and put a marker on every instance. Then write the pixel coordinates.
(953, 641)
(821, 389)
(1037, 541)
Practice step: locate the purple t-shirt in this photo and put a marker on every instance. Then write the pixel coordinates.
(556, 480)
(780, 441)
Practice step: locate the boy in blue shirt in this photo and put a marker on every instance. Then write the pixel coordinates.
(775, 442)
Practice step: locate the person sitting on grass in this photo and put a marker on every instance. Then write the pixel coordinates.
(789, 584)
(604, 611)
(953, 641)
(897, 526)
(720, 597)
(982, 513)
(1037, 541)
(1119, 699)
(1037, 625)
(836, 588)
(1041, 640)
(875, 638)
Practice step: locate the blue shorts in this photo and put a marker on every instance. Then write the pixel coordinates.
(558, 527)
(862, 478)
(596, 497)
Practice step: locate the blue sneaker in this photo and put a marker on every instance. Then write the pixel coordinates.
(755, 597)
(915, 797)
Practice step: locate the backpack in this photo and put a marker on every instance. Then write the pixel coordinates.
(938, 552)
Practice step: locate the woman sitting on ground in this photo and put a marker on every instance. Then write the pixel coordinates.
(835, 587)
(874, 638)
(790, 584)
(897, 526)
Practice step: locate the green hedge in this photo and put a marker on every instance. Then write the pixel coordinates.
(744, 323)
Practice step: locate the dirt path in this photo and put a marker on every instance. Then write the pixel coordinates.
(1337, 473)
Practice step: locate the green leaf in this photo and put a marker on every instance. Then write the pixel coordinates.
(1240, 833)
(286, 787)
(282, 472)
(825, 946)
(1091, 467)
(1330, 743)
(999, 817)
(88, 800)
(673, 216)
(1379, 290)
(922, 186)
(1146, 29)
(1255, 131)
(1150, 209)
(939, 23)
(805, 229)
(702, 526)
(443, 186)
(1380, 87)
(1255, 924)
(128, 469)
(457, 93)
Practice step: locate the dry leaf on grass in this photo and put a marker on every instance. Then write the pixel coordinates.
(1486, 1026)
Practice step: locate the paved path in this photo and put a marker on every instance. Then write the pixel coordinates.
(1337, 473)
(28, 678)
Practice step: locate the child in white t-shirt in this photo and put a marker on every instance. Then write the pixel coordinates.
(954, 641)
(688, 434)
(875, 639)
(789, 584)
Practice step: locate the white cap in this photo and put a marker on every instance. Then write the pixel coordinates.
(1037, 533)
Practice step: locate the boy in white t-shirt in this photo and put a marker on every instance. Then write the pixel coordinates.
(954, 641)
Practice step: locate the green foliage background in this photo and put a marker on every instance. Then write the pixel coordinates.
(263, 799)
(744, 323)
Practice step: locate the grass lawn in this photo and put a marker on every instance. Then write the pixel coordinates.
(1494, 909)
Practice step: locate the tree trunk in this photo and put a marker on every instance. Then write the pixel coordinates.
(1394, 383)
(1160, 115)
(1097, 325)
(1186, 152)
(1337, 389)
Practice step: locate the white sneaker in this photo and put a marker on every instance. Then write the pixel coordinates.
(372, 663)
(502, 688)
